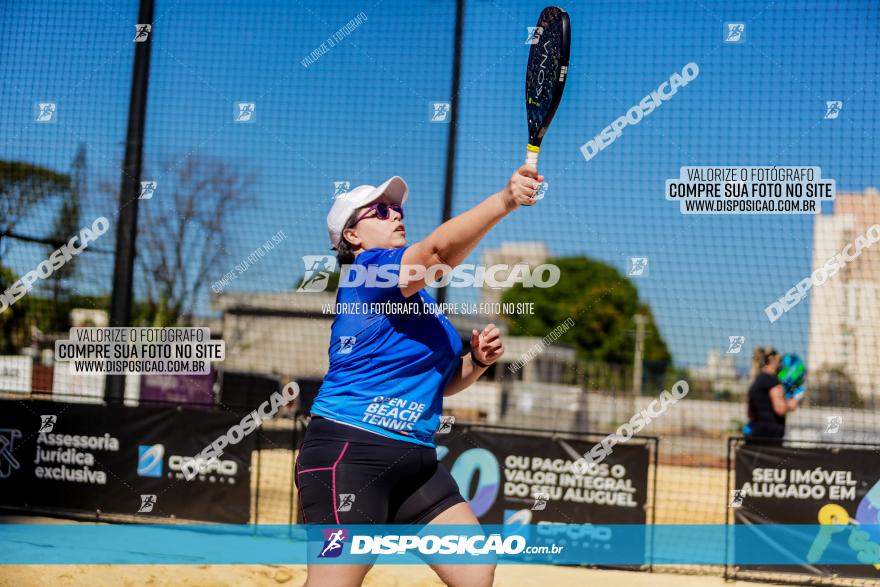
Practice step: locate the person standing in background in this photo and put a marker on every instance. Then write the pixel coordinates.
(768, 402)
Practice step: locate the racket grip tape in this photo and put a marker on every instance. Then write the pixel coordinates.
(532, 155)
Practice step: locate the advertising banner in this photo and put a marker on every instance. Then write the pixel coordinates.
(121, 460)
(837, 488)
(526, 480)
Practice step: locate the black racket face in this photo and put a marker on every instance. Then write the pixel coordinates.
(547, 70)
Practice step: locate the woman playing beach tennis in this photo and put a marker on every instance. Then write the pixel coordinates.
(776, 390)
(368, 456)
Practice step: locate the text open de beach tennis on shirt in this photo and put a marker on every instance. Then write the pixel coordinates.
(393, 413)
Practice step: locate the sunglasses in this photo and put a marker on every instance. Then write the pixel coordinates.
(383, 211)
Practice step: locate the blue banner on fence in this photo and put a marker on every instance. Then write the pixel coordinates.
(568, 544)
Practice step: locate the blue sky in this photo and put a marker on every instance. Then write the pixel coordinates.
(361, 113)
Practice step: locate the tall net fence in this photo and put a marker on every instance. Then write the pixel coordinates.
(257, 119)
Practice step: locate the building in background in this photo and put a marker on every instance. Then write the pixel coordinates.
(721, 374)
(531, 253)
(284, 334)
(89, 318)
(845, 310)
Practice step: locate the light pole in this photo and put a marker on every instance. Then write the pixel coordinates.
(641, 321)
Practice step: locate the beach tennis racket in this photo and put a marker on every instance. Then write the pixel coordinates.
(792, 374)
(545, 75)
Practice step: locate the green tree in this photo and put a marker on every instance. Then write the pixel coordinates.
(602, 302)
(35, 311)
(14, 331)
(22, 187)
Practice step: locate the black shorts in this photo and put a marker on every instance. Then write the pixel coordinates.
(346, 475)
(766, 434)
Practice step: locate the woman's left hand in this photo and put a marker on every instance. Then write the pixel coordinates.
(486, 346)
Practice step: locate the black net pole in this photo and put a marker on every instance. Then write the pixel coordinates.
(126, 227)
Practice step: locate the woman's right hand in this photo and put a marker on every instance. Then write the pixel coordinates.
(521, 189)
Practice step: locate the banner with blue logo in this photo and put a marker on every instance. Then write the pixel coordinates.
(524, 480)
(529, 478)
(98, 459)
(837, 488)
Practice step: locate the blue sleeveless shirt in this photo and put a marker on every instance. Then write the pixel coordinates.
(391, 357)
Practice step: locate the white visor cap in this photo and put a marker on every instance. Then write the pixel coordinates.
(345, 204)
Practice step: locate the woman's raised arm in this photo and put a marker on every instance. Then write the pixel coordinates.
(454, 240)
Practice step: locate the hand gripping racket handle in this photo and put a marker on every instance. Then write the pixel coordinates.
(532, 155)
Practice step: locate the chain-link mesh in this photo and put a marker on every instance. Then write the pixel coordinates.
(258, 117)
